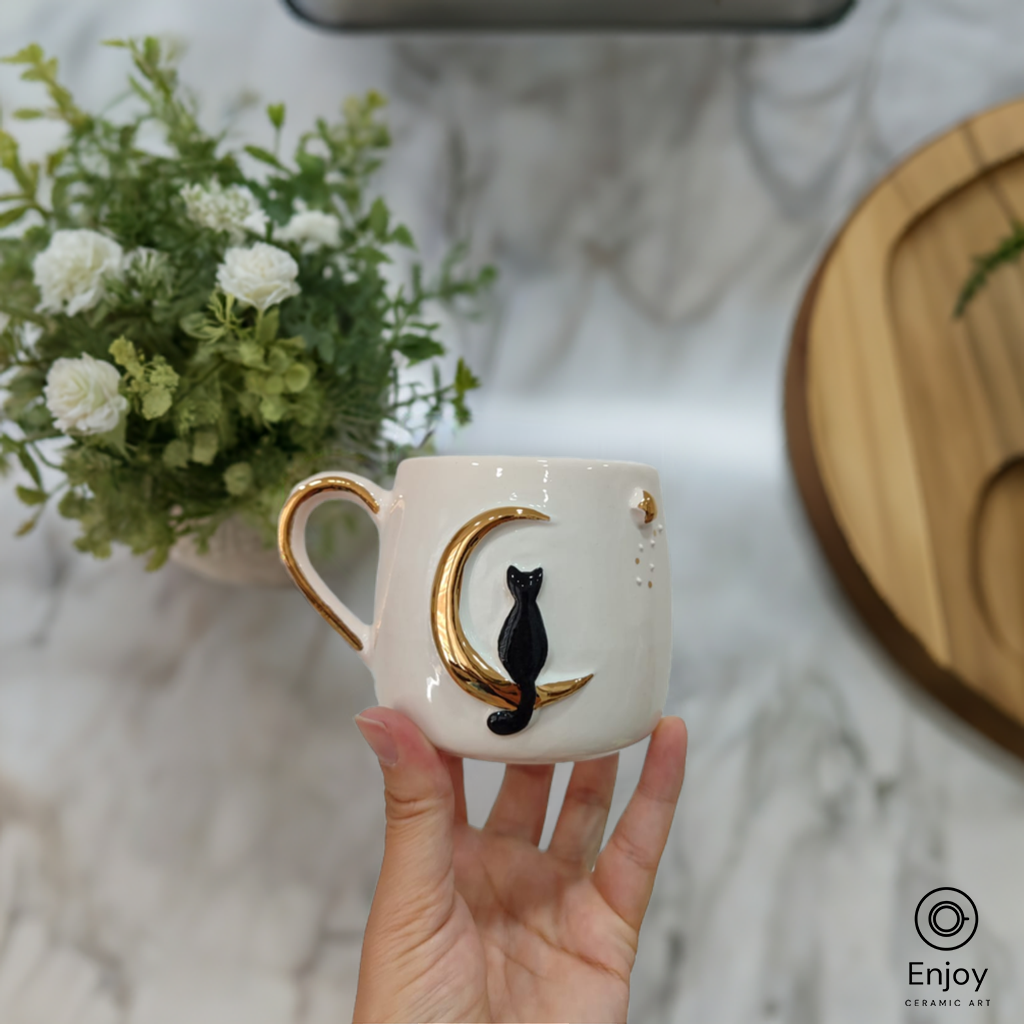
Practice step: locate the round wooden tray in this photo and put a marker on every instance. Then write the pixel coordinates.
(906, 425)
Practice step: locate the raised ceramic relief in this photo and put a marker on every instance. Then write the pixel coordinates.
(463, 662)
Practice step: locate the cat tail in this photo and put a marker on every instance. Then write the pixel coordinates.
(506, 723)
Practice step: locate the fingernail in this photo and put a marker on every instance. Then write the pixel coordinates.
(378, 737)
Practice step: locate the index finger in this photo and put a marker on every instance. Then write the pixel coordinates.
(625, 870)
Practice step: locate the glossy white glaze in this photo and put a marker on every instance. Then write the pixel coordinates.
(593, 549)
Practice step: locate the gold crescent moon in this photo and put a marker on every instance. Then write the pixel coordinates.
(463, 662)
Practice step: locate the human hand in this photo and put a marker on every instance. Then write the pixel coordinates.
(475, 924)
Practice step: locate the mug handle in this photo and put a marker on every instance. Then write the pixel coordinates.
(291, 542)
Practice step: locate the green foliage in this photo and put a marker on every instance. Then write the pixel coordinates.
(1009, 250)
(152, 384)
(227, 406)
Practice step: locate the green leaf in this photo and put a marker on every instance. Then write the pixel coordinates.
(113, 439)
(297, 377)
(272, 408)
(417, 347)
(238, 478)
(371, 256)
(125, 355)
(310, 165)
(275, 111)
(28, 526)
(464, 381)
(251, 354)
(27, 178)
(72, 505)
(30, 467)
(175, 455)
(31, 54)
(204, 447)
(30, 496)
(13, 215)
(54, 160)
(1009, 250)
(29, 114)
(264, 155)
(195, 325)
(22, 314)
(378, 219)
(267, 326)
(401, 235)
(158, 559)
(155, 403)
(9, 159)
(279, 359)
(151, 51)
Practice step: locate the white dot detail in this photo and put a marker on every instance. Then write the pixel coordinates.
(638, 581)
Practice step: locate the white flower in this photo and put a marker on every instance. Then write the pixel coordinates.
(82, 395)
(143, 261)
(70, 271)
(261, 276)
(233, 209)
(148, 269)
(311, 229)
(30, 334)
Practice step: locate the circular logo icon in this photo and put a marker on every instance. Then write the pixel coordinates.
(946, 918)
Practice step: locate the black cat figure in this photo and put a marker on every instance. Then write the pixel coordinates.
(522, 648)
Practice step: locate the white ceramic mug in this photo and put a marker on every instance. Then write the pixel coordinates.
(523, 606)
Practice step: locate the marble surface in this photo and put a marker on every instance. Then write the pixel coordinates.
(190, 826)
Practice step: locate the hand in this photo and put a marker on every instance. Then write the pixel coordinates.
(475, 924)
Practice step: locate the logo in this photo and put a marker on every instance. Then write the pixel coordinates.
(946, 918)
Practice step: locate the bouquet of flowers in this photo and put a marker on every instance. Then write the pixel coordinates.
(201, 337)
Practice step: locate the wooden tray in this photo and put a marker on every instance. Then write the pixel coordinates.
(906, 426)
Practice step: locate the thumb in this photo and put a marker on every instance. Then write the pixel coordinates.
(416, 879)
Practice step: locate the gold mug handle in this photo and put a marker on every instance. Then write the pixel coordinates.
(291, 542)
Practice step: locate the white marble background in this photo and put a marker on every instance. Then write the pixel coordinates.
(190, 825)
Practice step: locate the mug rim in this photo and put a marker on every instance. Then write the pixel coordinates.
(531, 459)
